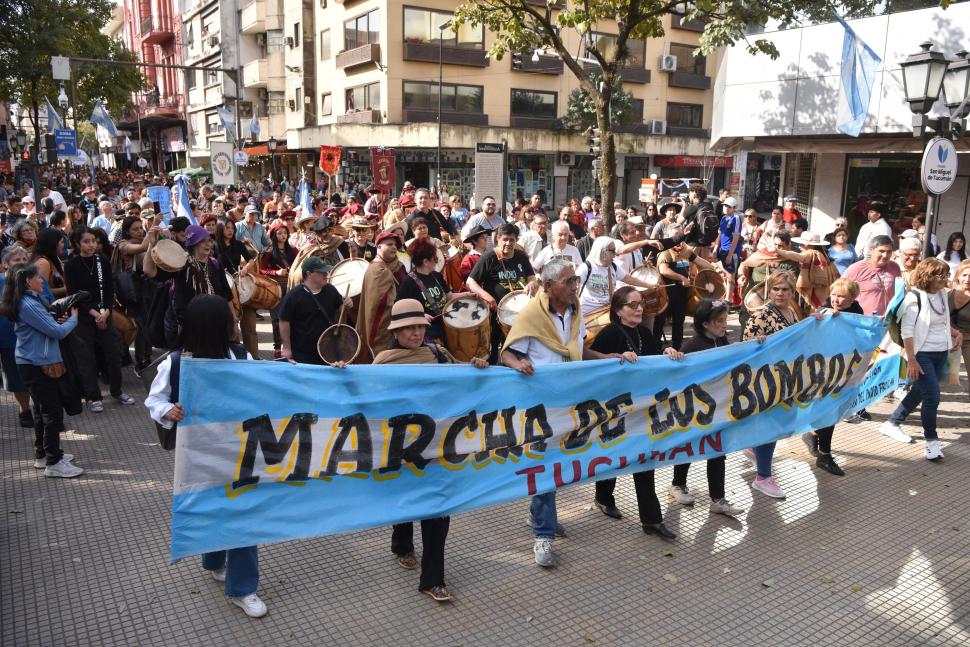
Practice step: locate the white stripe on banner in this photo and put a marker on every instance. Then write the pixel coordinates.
(375, 445)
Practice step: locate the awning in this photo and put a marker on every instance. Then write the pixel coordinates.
(691, 161)
(263, 149)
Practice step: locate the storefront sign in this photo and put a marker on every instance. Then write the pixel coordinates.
(938, 170)
(489, 172)
(691, 161)
(242, 158)
(864, 162)
(223, 170)
(382, 167)
(648, 189)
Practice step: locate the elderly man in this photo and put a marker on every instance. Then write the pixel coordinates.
(584, 244)
(908, 256)
(531, 343)
(558, 248)
(249, 228)
(877, 226)
(876, 276)
(378, 295)
(536, 237)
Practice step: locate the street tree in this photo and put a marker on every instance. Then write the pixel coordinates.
(36, 30)
(526, 25)
(581, 109)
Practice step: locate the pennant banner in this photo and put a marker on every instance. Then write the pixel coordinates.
(330, 159)
(375, 445)
(382, 168)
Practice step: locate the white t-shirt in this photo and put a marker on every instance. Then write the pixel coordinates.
(595, 292)
(550, 252)
(938, 335)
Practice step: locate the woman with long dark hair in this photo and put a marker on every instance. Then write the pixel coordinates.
(47, 256)
(12, 382)
(207, 330)
(90, 272)
(955, 253)
(127, 259)
(275, 263)
(233, 256)
(39, 361)
(626, 338)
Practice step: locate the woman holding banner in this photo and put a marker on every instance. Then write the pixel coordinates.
(207, 328)
(625, 338)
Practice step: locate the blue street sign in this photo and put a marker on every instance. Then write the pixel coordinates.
(65, 141)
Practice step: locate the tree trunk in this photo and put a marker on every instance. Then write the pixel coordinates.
(607, 171)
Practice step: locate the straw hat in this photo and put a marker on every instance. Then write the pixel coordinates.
(407, 312)
(811, 238)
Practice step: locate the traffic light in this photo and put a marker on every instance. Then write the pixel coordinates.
(595, 141)
(51, 147)
(516, 60)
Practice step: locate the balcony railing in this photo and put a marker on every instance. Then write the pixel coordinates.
(360, 117)
(154, 106)
(629, 73)
(359, 56)
(417, 115)
(252, 18)
(689, 80)
(697, 24)
(545, 64)
(429, 53)
(157, 29)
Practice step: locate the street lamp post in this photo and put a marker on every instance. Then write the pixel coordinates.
(925, 74)
(441, 37)
(271, 146)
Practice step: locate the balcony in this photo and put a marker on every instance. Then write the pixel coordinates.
(628, 73)
(360, 117)
(689, 80)
(683, 131)
(545, 65)
(255, 74)
(418, 115)
(364, 55)
(678, 22)
(545, 123)
(157, 30)
(429, 53)
(153, 109)
(252, 19)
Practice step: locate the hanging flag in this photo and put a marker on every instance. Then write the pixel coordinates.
(53, 119)
(303, 195)
(128, 147)
(330, 159)
(859, 67)
(228, 122)
(100, 117)
(182, 207)
(254, 127)
(382, 168)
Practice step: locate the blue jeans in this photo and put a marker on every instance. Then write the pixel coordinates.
(543, 509)
(925, 391)
(242, 569)
(762, 456)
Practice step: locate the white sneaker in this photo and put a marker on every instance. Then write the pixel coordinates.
(933, 451)
(544, 555)
(96, 407)
(251, 604)
(41, 463)
(892, 430)
(64, 469)
(219, 575)
(725, 507)
(680, 495)
(124, 398)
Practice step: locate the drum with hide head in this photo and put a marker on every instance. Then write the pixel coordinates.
(596, 321)
(169, 256)
(258, 292)
(348, 276)
(468, 328)
(338, 343)
(706, 284)
(654, 298)
(509, 308)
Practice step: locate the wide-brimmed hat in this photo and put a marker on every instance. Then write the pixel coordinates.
(636, 220)
(321, 224)
(676, 206)
(305, 218)
(400, 228)
(476, 231)
(811, 238)
(407, 312)
(361, 223)
(288, 215)
(195, 234)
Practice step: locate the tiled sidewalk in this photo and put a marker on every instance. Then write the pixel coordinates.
(878, 557)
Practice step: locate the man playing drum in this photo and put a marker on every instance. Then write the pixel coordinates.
(381, 281)
(674, 265)
(308, 310)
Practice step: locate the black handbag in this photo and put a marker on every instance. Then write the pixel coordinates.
(126, 289)
(64, 305)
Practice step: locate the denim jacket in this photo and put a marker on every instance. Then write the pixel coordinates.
(38, 332)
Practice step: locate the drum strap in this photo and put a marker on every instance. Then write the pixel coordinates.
(313, 298)
(431, 305)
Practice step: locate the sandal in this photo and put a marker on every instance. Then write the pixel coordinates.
(408, 561)
(439, 593)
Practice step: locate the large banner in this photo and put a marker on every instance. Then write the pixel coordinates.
(382, 168)
(270, 452)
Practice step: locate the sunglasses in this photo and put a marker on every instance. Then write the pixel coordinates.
(635, 305)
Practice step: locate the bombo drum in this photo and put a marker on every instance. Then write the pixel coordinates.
(654, 298)
(258, 292)
(468, 328)
(338, 343)
(596, 321)
(757, 297)
(707, 284)
(509, 308)
(169, 256)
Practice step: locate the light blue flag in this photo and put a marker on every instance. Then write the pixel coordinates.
(303, 196)
(228, 121)
(100, 117)
(128, 148)
(53, 119)
(254, 127)
(182, 207)
(859, 66)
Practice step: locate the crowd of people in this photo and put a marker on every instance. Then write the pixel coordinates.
(105, 281)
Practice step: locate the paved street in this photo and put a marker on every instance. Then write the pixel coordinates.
(875, 558)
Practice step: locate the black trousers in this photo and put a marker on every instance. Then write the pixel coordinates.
(715, 476)
(433, 535)
(274, 316)
(48, 412)
(648, 505)
(85, 338)
(824, 436)
(676, 311)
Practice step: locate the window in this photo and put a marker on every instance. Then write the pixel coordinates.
(422, 26)
(685, 115)
(190, 36)
(190, 79)
(276, 103)
(423, 95)
(210, 24)
(526, 103)
(326, 104)
(297, 39)
(686, 61)
(363, 97)
(209, 77)
(298, 97)
(213, 125)
(325, 45)
(606, 44)
(362, 30)
(636, 112)
(275, 41)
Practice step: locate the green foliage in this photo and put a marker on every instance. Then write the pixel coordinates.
(581, 109)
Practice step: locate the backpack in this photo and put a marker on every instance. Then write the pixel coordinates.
(894, 316)
(706, 226)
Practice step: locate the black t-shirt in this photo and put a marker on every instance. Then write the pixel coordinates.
(701, 342)
(432, 297)
(498, 277)
(617, 338)
(300, 309)
(436, 222)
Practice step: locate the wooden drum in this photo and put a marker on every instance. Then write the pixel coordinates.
(757, 297)
(707, 284)
(596, 321)
(169, 256)
(338, 343)
(655, 298)
(348, 276)
(468, 328)
(126, 327)
(509, 308)
(258, 292)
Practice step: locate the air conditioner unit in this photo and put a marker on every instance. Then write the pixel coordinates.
(213, 41)
(263, 93)
(261, 40)
(668, 63)
(566, 159)
(292, 104)
(658, 127)
(289, 42)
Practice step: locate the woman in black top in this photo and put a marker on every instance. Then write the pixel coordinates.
(624, 337)
(90, 272)
(842, 298)
(710, 326)
(47, 256)
(427, 286)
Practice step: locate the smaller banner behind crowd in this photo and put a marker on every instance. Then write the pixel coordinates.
(324, 450)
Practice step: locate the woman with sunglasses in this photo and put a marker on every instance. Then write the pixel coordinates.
(625, 338)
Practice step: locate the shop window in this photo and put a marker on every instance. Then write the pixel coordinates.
(363, 97)
(526, 103)
(423, 95)
(606, 45)
(362, 30)
(422, 26)
(685, 115)
(890, 181)
(686, 61)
